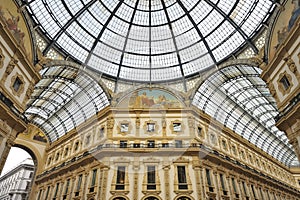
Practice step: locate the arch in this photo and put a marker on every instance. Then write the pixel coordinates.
(127, 94)
(65, 97)
(220, 67)
(35, 148)
(151, 197)
(184, 197)
(82, 69)
(119, 197)
(236, 96)
(31, 151)
(212, 46)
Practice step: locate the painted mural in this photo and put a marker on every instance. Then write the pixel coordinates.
(147, 98)
(284, 24)
(155, 98)
(39, 136)
(15, 23)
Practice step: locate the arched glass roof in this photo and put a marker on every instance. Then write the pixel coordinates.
(237, 97)
(64, 98)
(149, 40)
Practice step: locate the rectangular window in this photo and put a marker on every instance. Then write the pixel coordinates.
(208, 178)
(94, 178)
(123, 144)
(178, 143)
(49, 160)
(222, 182)
(224, 144)
(39, 195)
(67, 186)
(199, 131)
(151, 178)
(47, 192)
(66, 151)
(120, 184)
(78, 185)
(285, 82)
(76, 146)
(234, 186)
(27, 185)
(244, 188)
(150, 127)
(93, 182)
(267, 191)
(261, 194)
(88, 140)
(56, 190)
(101, 132)
(253, 191)
(136, 145)
(57, 157)
(124, 127)
(177, 127)
(151, 144)
(182, 183)
(17, 84)
(165, 145)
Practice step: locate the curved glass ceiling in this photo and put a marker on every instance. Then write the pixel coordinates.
(237, 97)
(63, 99)
(149, 40)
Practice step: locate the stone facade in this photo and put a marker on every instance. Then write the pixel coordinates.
(15, 184)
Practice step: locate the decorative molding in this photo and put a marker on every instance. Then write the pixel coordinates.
(155, 196)
(21, 87)
(273, 91)
(29, 91)
(167, 181)
(157, 190)
(292, 66)
(200, 131)
(182, 162)
(176, 127)
(10, 67)
(280, 85)
(110, 126)
(149, 129)
(213, 139)
(124, 127)
(2, 57)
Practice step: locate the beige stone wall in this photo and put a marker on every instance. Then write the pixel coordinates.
(196, 159)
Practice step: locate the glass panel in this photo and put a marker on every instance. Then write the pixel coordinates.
(176, 38)
(237, 97)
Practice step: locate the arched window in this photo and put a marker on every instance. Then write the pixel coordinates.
(184, 198)
(119, 198)
(151, 198)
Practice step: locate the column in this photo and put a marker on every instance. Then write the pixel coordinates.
(104, 182)
(100, 180)
(73, 179)
(199, 184)
(135, 182)
(60, 190)
(216, 182)
(84, 184)
(229, 186)
(167, 181)
(6, 146)
(197, 166)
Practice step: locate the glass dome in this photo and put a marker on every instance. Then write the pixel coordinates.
(149, 40)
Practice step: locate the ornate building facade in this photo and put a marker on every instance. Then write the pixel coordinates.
(15, 184)
(153, 100)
